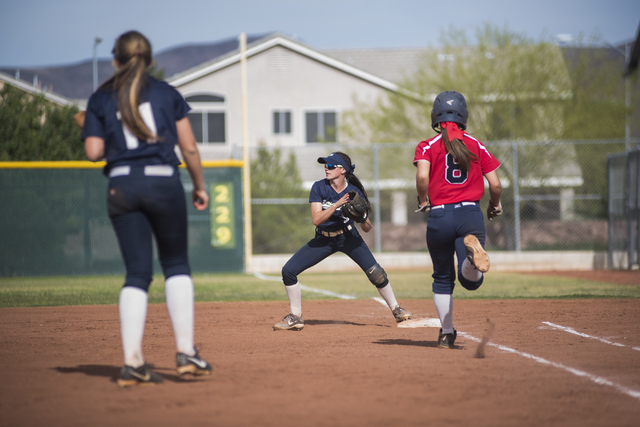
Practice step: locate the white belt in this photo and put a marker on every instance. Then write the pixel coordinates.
(150, 170)
(334, 233)
(456, 205)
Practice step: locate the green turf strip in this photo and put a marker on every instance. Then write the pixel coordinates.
(90, 290)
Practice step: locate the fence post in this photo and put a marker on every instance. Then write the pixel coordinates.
(610, 212)
(376, 186)
(516, 196)
(86, 229)
(629, 211)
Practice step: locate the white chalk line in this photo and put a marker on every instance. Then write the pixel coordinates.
(580, 334)
(594, 378)
(306, 288)
(413, 324)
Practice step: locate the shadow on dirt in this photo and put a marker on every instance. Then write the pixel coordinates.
(331, 322)
(111, 372)
(433, 344)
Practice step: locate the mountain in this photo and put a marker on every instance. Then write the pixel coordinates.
(75, 81)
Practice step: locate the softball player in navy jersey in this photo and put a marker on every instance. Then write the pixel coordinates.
(334, 233)
(134, 122)
(449, 180)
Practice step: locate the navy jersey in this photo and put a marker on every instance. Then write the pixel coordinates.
(323, 192)
(161, 106)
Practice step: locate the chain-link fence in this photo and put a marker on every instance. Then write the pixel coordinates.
(624, 210)
(554, 196)
(53, 221)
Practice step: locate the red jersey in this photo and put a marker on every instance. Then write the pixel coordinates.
(447, 182)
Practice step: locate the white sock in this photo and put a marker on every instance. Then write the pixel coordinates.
(444, 307)
(178, 291)
(387, 294)
(133, 314)
(470, 272)
(294, 293)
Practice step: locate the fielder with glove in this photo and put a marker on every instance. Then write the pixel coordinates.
(356, 208)
(338, 202)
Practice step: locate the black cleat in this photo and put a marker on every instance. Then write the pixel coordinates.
(194, 365)
(447, 340)
(130, 376)
(401, 314)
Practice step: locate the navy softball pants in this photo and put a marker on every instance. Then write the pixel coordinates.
(141, 206)
(320, 247)
(446, 229)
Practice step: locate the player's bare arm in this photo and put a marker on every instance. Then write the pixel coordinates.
(318, 216)
(94, 148)
(495, 188)
(422, 181)
(366, 226)
(191, 156)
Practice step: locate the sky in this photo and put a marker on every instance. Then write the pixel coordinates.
(62, 32)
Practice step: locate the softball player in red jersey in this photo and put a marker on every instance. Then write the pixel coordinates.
(134, 122)
(451, 168)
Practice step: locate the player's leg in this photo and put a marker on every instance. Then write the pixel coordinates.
(440, 241)
(472, 258)
(134, 237)
(167, 212)
(307, 256)
(355, 247)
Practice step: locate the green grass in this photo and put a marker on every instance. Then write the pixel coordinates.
(90, 290)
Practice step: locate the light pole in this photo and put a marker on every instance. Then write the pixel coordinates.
(566, 38)
(96, 42)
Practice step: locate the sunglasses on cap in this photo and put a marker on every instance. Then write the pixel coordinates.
(332, 167)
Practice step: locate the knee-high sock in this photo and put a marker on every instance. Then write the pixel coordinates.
(133, 314)
(470, 272)
(444, 307)
(179, 294)
(294, 293)
(387, 294)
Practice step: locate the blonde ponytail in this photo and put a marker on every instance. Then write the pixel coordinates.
(132, 52)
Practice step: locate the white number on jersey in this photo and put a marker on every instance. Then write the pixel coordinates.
(147, 116)
(453, 173)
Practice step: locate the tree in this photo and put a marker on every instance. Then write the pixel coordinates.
(33, 128)
(514, 88)
(596, 111)
(278, 228)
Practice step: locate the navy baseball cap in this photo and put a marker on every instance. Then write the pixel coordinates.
(334, 159)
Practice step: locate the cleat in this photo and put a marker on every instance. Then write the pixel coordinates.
(194, 365)
(476, 253)
(447, 340)
(130, 376)
(401, 314)
(290, 322)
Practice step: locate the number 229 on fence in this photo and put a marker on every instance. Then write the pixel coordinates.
(223, 219)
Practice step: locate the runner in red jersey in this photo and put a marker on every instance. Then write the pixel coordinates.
(451, 168)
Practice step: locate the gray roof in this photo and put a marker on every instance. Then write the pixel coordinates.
(393, 64)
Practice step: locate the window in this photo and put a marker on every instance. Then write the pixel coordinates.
(321, 126)
(282, 122)
(207, 118)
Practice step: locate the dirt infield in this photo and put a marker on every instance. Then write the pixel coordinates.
(350, 366)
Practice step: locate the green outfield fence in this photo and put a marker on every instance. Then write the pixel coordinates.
(53, 220)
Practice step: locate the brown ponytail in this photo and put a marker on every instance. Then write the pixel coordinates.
(132, 51)
(351, 177)
(459, 151)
